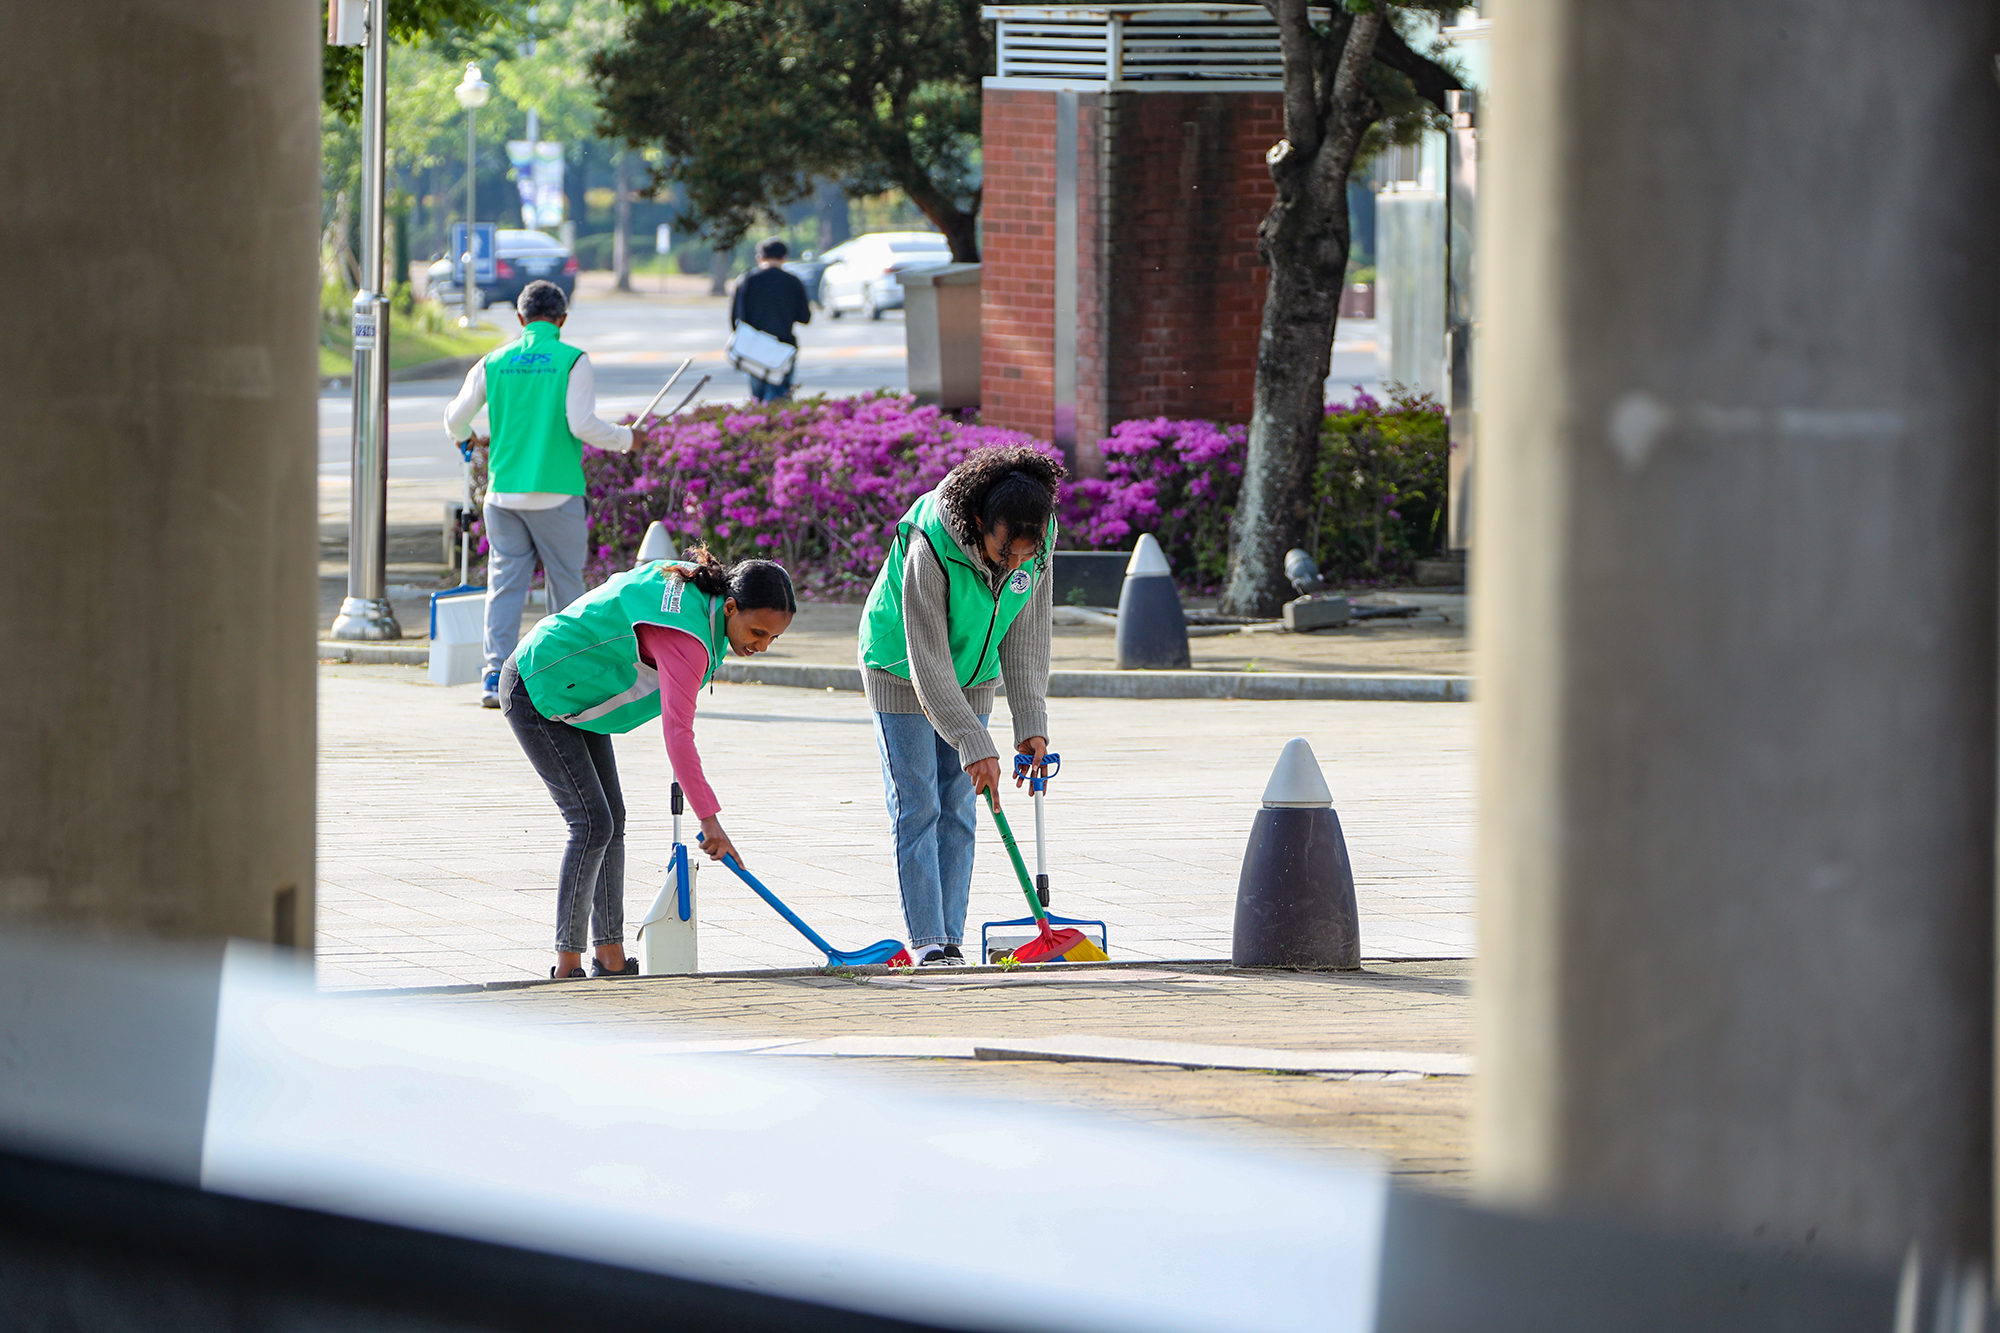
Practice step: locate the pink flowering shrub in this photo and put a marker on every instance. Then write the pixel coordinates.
(818, 485)
(815, 484)
(1175, 479)
(1377, 499)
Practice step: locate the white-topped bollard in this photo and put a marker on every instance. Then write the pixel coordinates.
(655, 545)
(1152, 631)
(1295, 900)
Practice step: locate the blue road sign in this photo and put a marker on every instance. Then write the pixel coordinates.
(483, 236)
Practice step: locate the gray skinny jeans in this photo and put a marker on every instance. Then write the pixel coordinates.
(581, 773)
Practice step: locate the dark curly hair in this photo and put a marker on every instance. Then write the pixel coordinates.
(757, 585)
(1011, 487)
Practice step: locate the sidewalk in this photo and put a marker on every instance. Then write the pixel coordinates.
(1388, 1015)
(438, 845)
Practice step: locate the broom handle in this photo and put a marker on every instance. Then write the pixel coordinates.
(1014, 855)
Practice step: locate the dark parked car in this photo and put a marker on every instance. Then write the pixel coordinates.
(523, 257)
(807, 269)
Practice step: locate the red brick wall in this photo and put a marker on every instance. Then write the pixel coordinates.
(1170, 189)
(1188, 187)
(1018, 261)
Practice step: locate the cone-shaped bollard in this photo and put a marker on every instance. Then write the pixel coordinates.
(1152, 632)
(657, 545)
(1295, 900)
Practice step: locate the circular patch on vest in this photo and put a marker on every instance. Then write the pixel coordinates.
(1018, 584)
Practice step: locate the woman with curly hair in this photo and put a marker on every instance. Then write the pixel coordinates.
(637, 647)
(962, 602)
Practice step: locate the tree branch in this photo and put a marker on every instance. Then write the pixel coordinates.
(1431, 80)
(1350, 76)
(1295, 43)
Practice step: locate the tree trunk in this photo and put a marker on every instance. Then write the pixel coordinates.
(1294, 356)
(1304, 240)
(621, 228)
(831, 205)
(718, 272)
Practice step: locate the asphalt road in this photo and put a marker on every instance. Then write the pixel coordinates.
(634, 344)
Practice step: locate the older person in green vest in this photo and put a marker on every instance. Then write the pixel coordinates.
(639, 646)
(541, 400)
(962, 603)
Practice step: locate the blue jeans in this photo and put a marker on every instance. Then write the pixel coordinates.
(936, 819)
(581, 772)
(771, 393)
(515, 539)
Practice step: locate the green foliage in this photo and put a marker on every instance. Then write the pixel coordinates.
(750, 104)
(1380, 486)
(459, 28)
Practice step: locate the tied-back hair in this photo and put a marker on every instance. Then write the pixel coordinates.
(756, 585)
(1004, 486)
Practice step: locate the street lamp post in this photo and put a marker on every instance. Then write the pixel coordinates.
(366, 613)
(472, 92)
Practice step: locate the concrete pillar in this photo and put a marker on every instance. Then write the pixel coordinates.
(1737, 630)
(157, 370)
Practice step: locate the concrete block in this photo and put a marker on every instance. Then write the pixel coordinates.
(1305, 614)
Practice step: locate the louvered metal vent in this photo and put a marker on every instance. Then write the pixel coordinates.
(1162, 47)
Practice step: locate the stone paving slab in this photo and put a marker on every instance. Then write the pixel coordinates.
(438, 845)
(914, 1037)
(1413, 1007)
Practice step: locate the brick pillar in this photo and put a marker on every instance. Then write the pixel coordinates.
(1170, 295)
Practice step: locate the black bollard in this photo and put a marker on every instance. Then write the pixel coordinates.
(1295, 899)
(1152, 631)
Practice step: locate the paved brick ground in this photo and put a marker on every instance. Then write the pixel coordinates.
(438, 846)
(1415, 1126)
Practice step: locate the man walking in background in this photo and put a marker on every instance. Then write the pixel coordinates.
(541, 401)
(771, 300)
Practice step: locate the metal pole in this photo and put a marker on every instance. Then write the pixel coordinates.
(366, 613)
(468, 284)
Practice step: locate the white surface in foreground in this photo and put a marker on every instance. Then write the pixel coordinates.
(771, 1178)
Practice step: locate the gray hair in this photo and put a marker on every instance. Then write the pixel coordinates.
(542, 299)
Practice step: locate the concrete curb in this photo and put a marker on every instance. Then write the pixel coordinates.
(376, 654)
(1075, 972)
(1062, 684)
(1153, 684)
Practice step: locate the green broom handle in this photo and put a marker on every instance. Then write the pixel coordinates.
(1014, 855)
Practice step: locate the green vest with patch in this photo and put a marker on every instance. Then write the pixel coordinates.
(978, 618)
(527, 403)
(581, 665)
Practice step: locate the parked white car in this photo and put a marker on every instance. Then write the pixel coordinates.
(861, 274)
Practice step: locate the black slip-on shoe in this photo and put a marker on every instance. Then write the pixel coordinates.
(631, 968)
(571, 975)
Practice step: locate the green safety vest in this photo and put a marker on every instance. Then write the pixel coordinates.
(977, 616)
(527, 404)
(581, 665)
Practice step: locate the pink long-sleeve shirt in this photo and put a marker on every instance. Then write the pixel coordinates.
(682, 661)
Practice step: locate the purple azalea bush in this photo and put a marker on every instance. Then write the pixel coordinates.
(815, 484)
(1175, 479)
(818, 485)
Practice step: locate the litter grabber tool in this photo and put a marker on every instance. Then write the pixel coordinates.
(640, 419)
(1049, 944)
(667, 934)
(891, 952)
(699, 387)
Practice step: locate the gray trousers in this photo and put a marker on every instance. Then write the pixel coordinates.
(515, 538)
